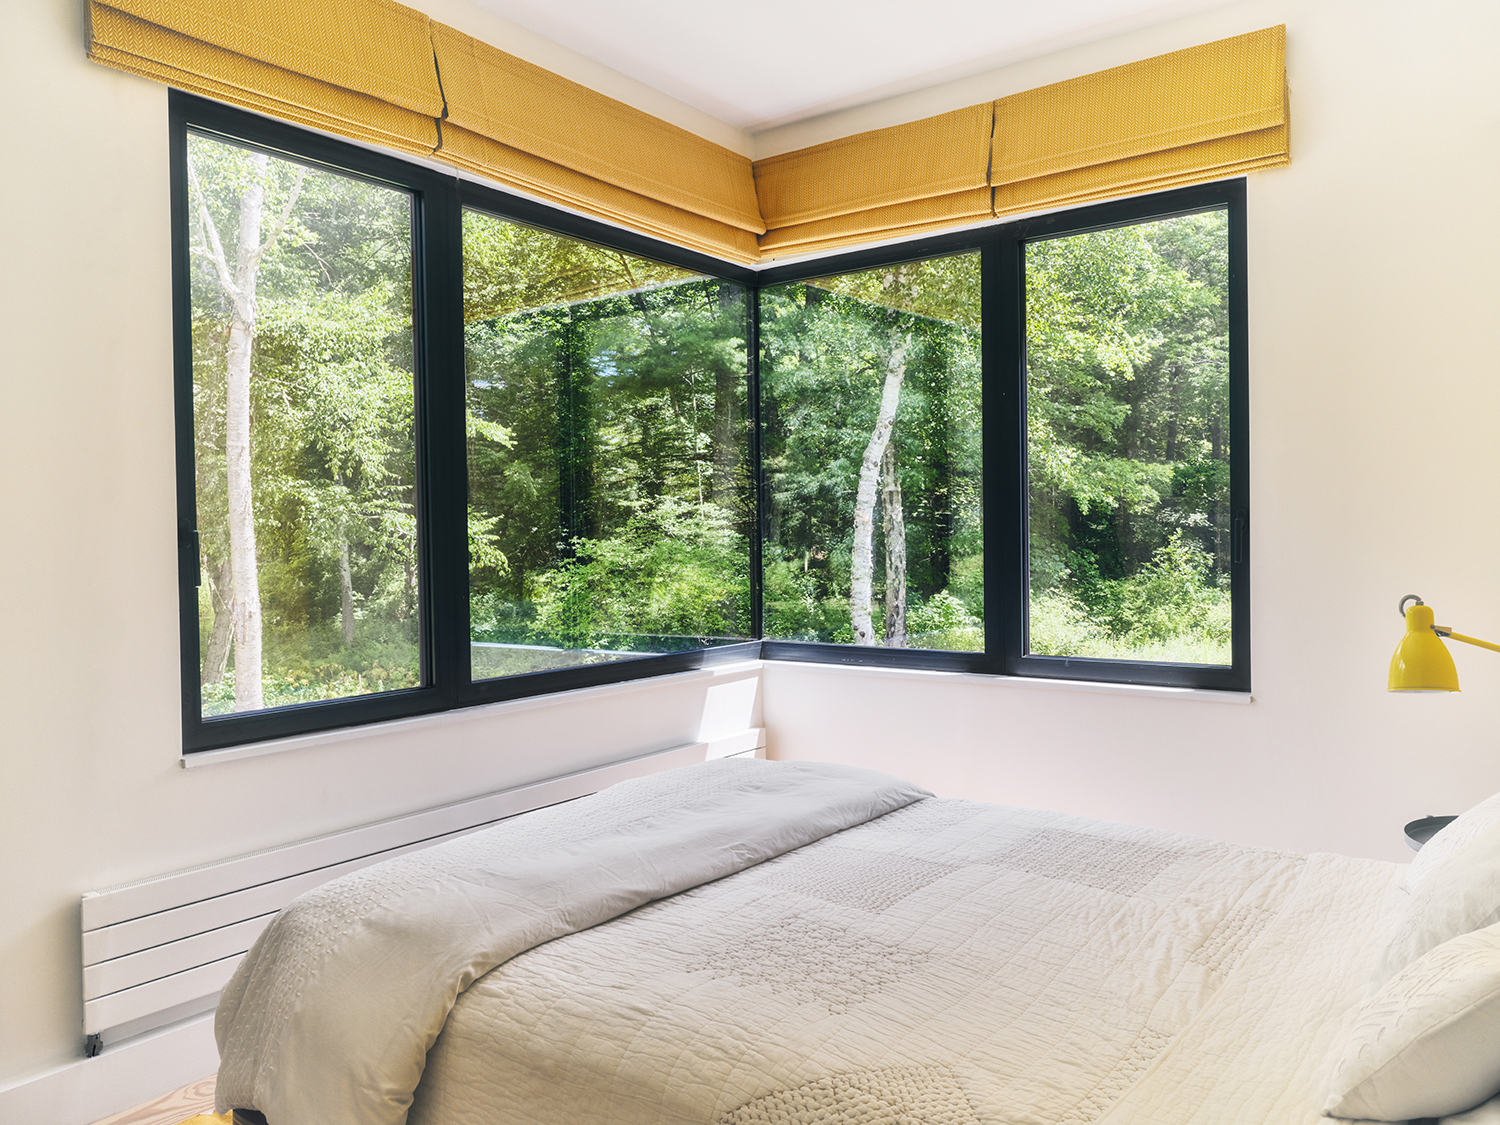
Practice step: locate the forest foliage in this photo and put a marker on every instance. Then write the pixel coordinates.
(830, 349)
(1128, 441)
(331, 443)
(612, 487)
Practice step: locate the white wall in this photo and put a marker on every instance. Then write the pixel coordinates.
(91, 789)
(1375, 468)
(1374, 398)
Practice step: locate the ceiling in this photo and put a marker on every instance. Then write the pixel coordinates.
(763, 63)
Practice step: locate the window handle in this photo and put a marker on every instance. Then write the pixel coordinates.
(1241, 528)
(187, 541)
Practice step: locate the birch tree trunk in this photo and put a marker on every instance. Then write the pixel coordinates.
(346, 577)
(861, 571)
(245, 599)
(239, 283)
(216, 655)
(894, 531)
(346, 590)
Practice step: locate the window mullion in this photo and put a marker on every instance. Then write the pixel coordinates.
(1005, 448)
(443, 482)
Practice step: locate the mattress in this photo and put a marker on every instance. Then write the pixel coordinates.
(947, 963)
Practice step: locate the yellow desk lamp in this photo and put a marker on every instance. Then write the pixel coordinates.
(1421, 662)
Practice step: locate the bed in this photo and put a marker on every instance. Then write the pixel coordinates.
(752, 943)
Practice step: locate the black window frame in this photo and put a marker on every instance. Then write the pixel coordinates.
(439, 201)
(1009, 466)
(477, 197)
(922, 249)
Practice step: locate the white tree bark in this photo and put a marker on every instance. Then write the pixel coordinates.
(346, 590)
(239, 284)
(863, 562)
(216, 655)
(244, 605)
(346, 577)
(894, 533)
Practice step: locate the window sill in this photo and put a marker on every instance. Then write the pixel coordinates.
(456, 717)
(444, 719)
(1095, 687)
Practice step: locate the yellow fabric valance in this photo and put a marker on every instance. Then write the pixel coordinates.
(361, 68)
(1203, 113)
(1200, 114)
(929, 159)
(896, 220)
(557, 184)
(370, 69)
(524, 107)
(378, 71)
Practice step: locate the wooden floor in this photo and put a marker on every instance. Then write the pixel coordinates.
(193, 1103)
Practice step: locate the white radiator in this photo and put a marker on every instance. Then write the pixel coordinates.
(162, 949)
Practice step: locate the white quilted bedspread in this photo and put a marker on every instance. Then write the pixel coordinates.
(329, 1018)
(949, 963)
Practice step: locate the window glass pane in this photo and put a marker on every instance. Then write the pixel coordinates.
(1128, 430)
(610, 504)
(870, 383)
(303, 414)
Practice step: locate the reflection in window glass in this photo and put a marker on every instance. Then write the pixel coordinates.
(610, 504)
(302, 408)
(871, 391)
(1128, 430)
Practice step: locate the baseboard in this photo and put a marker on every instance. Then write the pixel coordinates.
(123, 1075)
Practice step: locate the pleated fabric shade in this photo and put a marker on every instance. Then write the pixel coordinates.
(380, 72)
(1200, 114)
(922, 175)
(360, 68)
(540, 133)
(1207, 112)
(553, 182)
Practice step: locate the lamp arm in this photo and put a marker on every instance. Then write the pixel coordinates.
(1444, 631)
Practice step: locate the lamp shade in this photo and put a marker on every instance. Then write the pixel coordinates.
(1422, 662)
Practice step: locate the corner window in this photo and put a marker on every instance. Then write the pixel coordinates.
(441, 446)
(1017, 451)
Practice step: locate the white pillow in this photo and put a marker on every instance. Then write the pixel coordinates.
(1487, 1114)
(1428, 1043)
(1454, 887)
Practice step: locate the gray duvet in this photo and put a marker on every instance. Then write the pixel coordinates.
(812, 947)
(945, 964)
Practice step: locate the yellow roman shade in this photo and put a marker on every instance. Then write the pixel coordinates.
(1199, 114)
(378, 71)
(917, 176)
(361, 68)
(545, 135)
(893, 221)
(553, 182)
